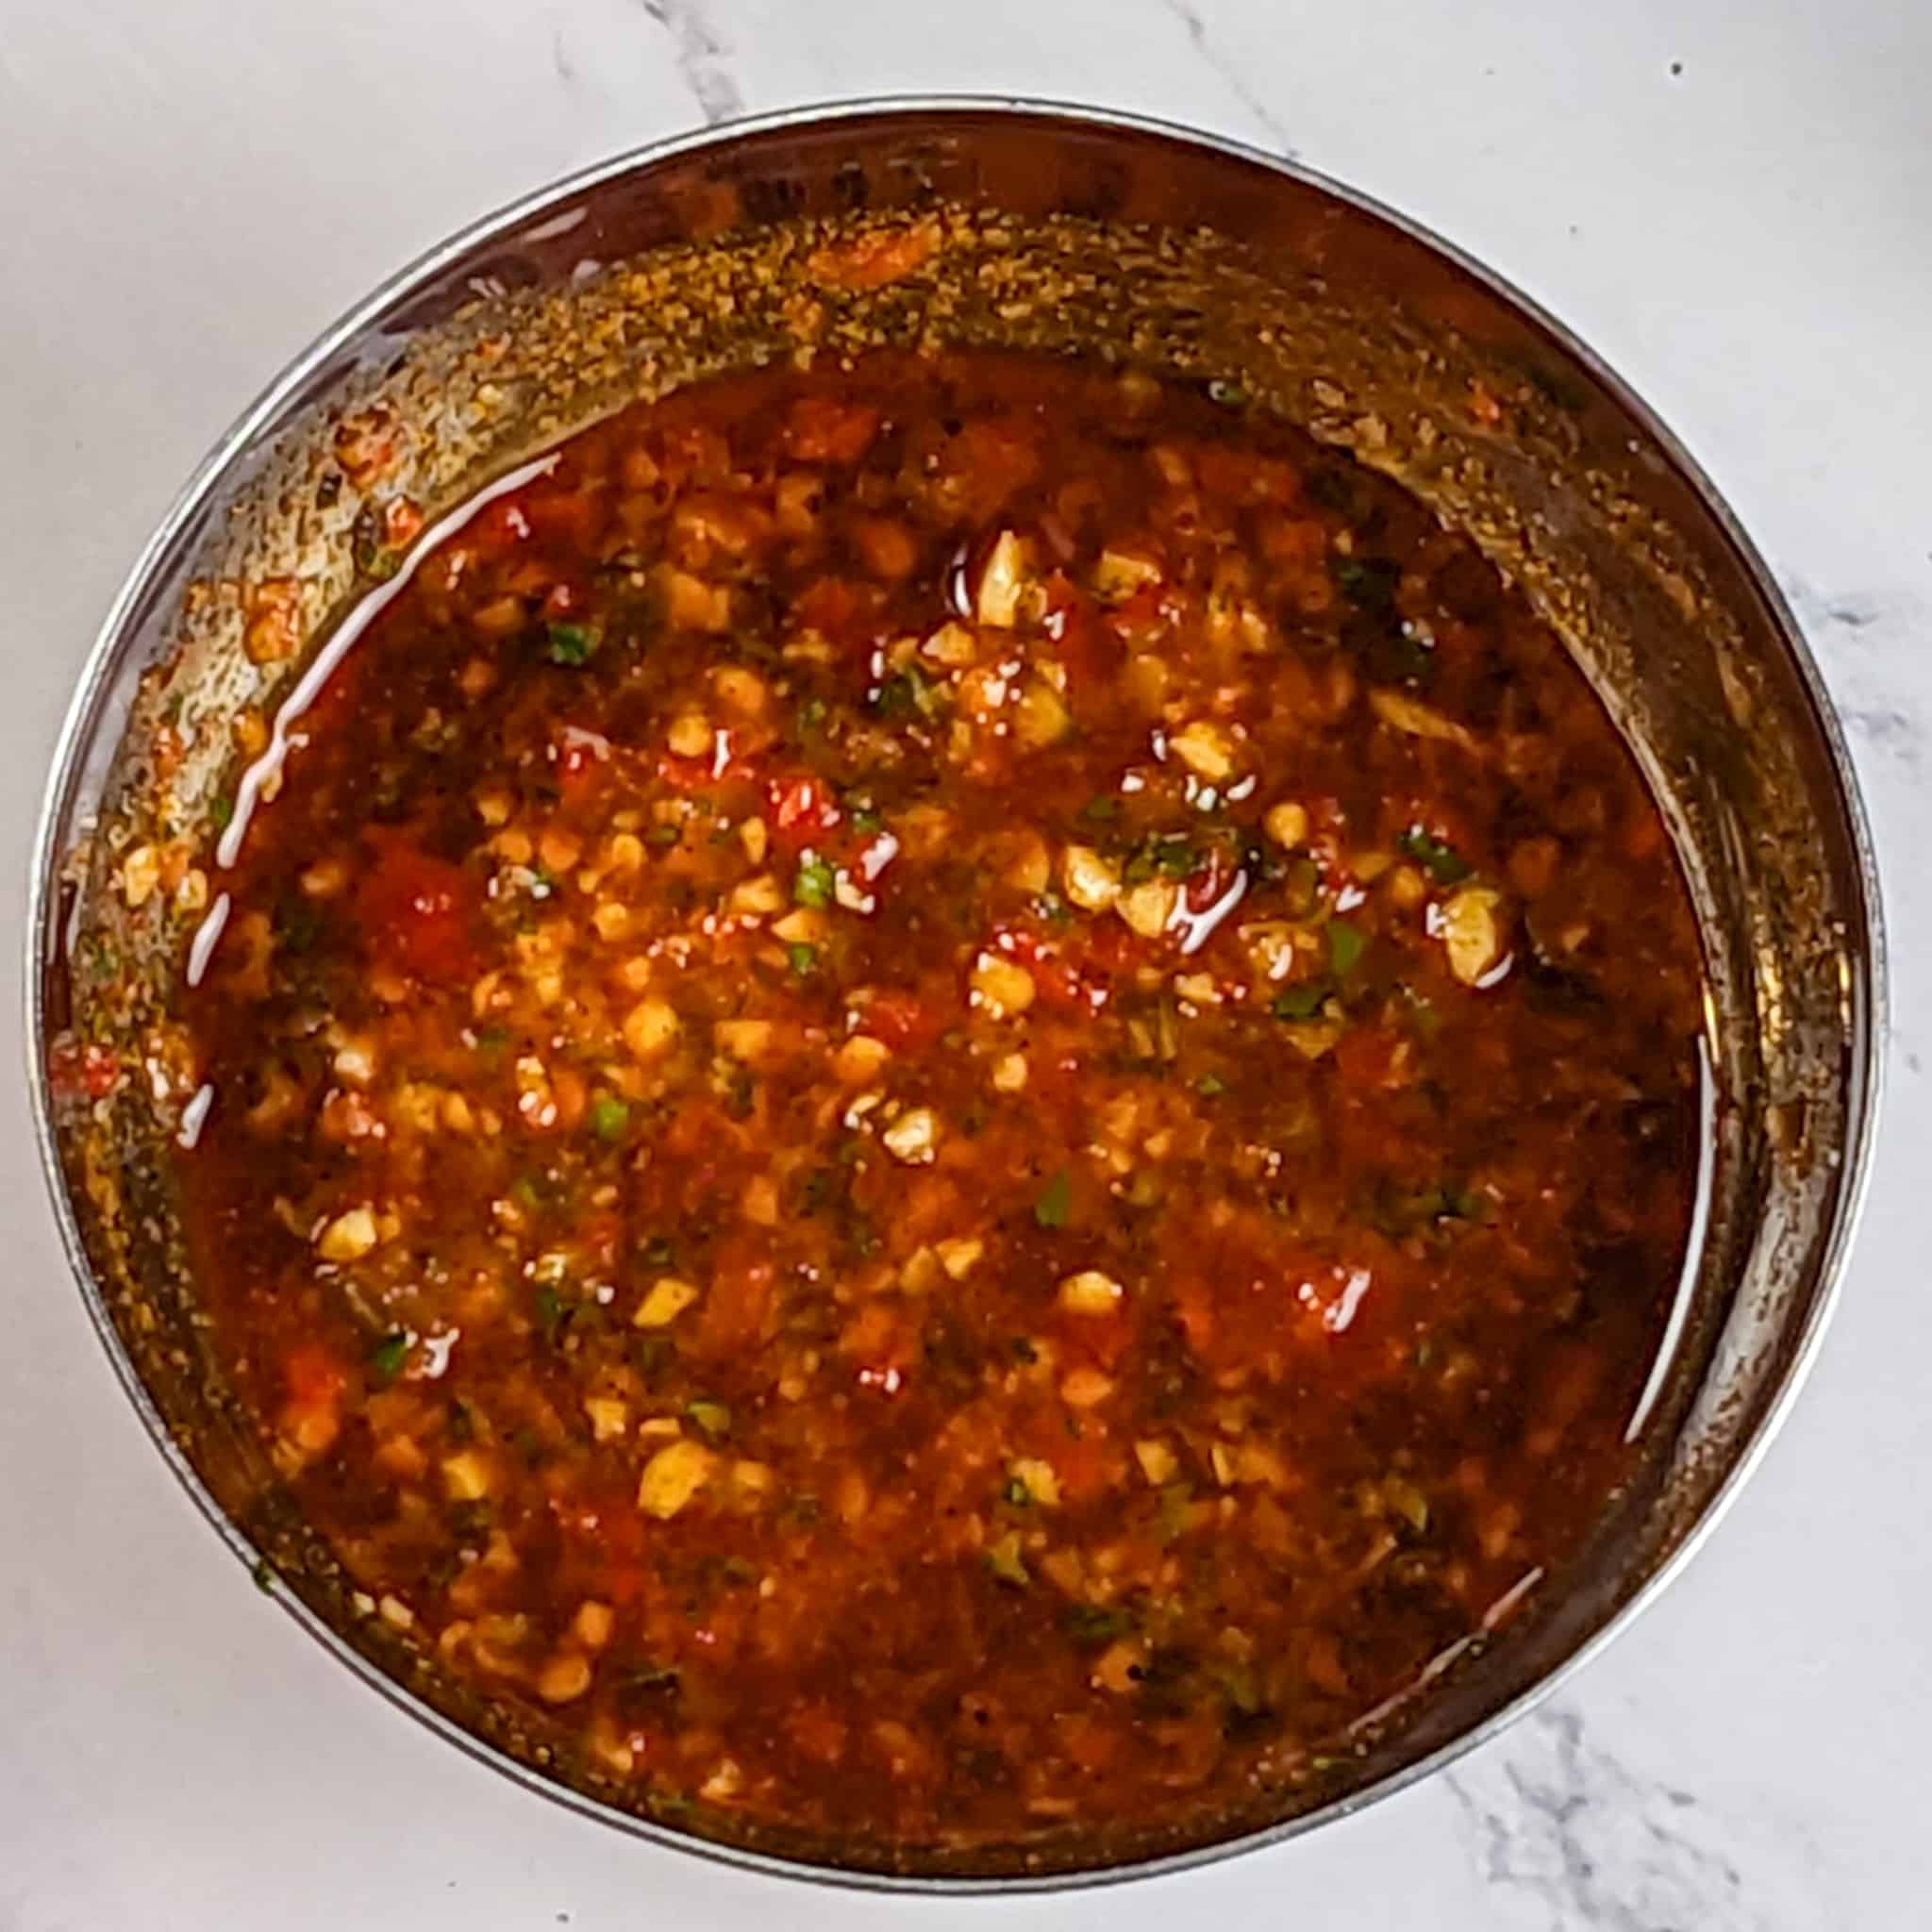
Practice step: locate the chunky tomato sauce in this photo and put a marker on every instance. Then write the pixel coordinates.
(953, 1098)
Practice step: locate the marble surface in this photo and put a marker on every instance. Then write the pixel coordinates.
(1729, 198)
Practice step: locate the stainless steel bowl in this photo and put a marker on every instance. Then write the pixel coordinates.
(1075, 230)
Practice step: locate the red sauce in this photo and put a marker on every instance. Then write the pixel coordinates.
(961, 1102)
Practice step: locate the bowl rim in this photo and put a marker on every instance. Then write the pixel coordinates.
(1866, 996)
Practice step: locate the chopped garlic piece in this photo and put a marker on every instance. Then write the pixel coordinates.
(1042, 1485)
(348, 1237)
(912, 1136)
(1042, 717)
(610, 1417)
(1149, 907)
(1092, 882)
(1121, 572)
(1001, 582)
(1206, 749)
(1470, 934)
(1090, 1292)
(649, 1028)
(1287, 823)
(466, 1476)
(673, 1477)
(666, 1299)
(1419, 719)
(1001, 987)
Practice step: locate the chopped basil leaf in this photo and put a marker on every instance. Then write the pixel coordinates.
(610, 1117)
(804, 957)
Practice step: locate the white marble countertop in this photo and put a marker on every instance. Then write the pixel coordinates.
(1727, 198)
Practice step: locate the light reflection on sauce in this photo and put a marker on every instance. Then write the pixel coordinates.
(281, 738)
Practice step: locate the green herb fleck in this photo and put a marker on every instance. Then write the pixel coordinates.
(1056, 1201)
(221, 811)
(1016, 1493)
(1210, 1086)
(813, 885)
(804, 958)
(1421, 1012)
(663, 837)
(1301, 1002)
(1346, 944)
(646, 1678)
(574, 643)
(907, 692)
(1164, 855)
(1097, 811)
(1368, 582)
(610, 1117)
(264, 1576)
(387, 1358)
(1092, 1625)
(1053, 909)
(552, 1313)
(1443, 863)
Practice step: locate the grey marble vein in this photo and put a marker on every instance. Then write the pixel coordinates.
(1565, 1834)
(1232, 76)
(1865, 639)
(703, 57)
